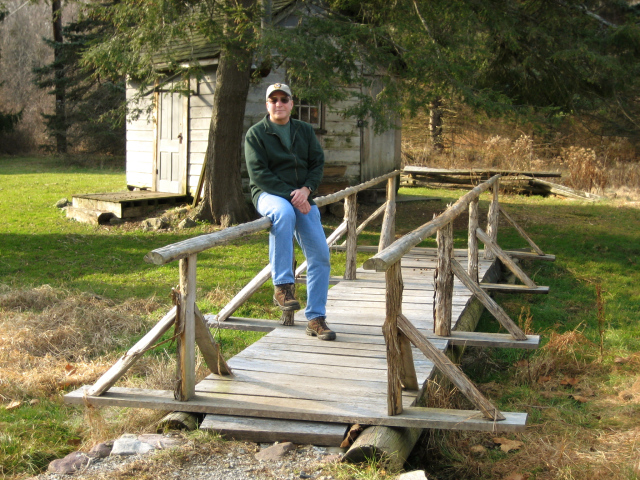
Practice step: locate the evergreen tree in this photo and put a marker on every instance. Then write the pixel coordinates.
(92, 117)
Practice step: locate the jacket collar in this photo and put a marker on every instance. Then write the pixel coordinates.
(268, 128)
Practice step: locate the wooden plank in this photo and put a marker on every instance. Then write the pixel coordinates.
(262, 430)
(522, 255)
(512, 288)
(476, 172)
(482, 339)
(414, 417)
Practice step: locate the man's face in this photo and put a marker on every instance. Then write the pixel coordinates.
(279, 112)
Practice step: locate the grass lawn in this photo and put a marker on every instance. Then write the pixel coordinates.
(74, 296)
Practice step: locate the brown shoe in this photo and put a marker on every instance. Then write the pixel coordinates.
(284, 298)
(318, 328)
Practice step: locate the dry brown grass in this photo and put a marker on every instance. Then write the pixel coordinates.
(600, 441)
(51, 339)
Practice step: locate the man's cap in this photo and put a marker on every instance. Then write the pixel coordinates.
(278, 87)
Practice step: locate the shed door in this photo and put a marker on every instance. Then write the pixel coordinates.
(171, 143)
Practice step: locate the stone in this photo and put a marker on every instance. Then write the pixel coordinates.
(415, 475)
(159, 441)
(187, 223)
(63, 202)
(154, 224)
(115, 221)
(275, 452)
(129, 444)
(333, 458)
(101, 450)
(69, 464)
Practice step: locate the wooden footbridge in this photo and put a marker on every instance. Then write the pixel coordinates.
(394, 320)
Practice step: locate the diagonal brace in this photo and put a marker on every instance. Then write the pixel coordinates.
(521, 231)
(505, 258)
(447, 367)
(487, 301)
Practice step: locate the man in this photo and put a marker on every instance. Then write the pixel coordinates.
(285, 163)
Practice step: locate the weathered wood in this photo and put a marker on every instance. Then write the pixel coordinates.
(179, 250)
(342, 194)
(351, 219)
(488, 302)
(178, 421)
(511, 288)
(524, 255)
(505, 258)
(392, 444)
(267, 430)
(565, 191)
(111, 376)
(443, 282)
(393, 277)
(265, 274)
(388, 231)
(408, 378)
(493, 217)
(476, 172)
(185, 329)
(521, 231)
(446, 366)
(416, 417)
(472, 241)
(209, 347)
(394, 252)
(482, 339)
(362, 226)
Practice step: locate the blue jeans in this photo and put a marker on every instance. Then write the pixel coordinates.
(287, 221)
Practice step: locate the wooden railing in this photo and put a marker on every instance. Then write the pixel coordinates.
(192, 329)
(399, 333)
(190, 325)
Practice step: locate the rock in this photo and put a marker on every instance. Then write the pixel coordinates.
(63, 202)
(129, 444)
(187, 223)
(154, 224)
(160, 441)
(275, 452)
(334, 458)
(69, 464)
(415, 475)
(181, 210)
(115, 221)
(101, 450)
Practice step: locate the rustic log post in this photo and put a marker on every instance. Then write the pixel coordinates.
(521, 231)
(505, 258)
(394, 287)
(185, 328)
(472, 242)
(489, 303)
(443, 282)
(388, 231)
(449, 369)
(351, 218)
(286, 318)
(492, 220)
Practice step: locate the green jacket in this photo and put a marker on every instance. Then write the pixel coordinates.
(275, 169)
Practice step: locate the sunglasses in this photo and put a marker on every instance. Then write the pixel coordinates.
(283, 100)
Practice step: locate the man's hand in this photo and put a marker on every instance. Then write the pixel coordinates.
(299, 199)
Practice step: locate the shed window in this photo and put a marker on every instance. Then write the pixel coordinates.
(308, 112)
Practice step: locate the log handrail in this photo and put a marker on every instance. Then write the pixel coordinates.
(179, 250)
(394, 252)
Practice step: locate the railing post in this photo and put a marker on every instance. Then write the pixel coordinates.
(443, 282)
(492, 220)
(186, 330)
(388, 231)
(472, 242)
(394, 287)
(351, 218)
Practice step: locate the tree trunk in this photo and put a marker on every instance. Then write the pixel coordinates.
(435, 125)
(59, 88)
(222, 199)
